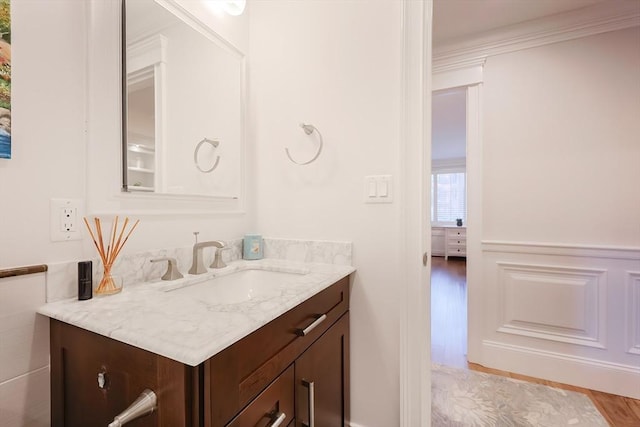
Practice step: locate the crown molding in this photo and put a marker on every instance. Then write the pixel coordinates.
(599, 18)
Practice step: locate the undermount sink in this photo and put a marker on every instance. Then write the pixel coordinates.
(238, 287)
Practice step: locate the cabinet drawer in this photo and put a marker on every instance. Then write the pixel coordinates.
(456, 232)
(233, 377)
(273, 407)
(457, 241)
(437, 232)
(455, 251)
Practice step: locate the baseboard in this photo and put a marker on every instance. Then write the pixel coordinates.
(614, 378)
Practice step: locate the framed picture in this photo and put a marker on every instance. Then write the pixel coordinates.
(5, 79)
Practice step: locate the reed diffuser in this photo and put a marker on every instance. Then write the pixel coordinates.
(108, 256)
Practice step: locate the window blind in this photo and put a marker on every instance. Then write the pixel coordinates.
(448, 197)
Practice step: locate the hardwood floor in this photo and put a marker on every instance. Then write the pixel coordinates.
(449, 341)
(449, 311)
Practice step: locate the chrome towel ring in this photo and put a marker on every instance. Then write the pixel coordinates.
(215, 144)
(308, 129)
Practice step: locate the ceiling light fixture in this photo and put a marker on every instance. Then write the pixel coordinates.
(229, 7)
(235, 7)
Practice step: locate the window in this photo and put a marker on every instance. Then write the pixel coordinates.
(448, 196)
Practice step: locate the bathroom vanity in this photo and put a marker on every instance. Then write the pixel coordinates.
(291, 370)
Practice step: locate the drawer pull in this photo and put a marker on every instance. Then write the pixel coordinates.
(145, 404)
(279, 419)
(311, 396)
(311, 327)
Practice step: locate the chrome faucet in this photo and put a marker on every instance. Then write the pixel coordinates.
(197, 266)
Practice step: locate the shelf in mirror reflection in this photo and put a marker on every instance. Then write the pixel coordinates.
(140, 188)
(142, 149)
(141, 170)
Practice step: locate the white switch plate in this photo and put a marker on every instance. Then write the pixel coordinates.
(66, 219)
(378, 189)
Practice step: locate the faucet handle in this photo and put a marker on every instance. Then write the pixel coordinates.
(217, 259)
(172, 272)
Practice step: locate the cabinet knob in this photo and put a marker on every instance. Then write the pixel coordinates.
(102, 380)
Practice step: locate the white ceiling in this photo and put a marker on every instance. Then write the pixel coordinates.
(455, 19)
(448, 129)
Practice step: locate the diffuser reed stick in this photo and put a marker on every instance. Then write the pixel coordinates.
(109, 254)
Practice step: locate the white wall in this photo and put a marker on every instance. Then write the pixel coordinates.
(561, 142)
(336, 65)
(561, 212)
(49, 148)
(49, 141)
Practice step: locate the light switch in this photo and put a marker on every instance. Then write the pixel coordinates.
(377, 189)
(372, 188)
(383, 188)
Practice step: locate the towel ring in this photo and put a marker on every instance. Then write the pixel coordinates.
(214, 143)
(308, 129)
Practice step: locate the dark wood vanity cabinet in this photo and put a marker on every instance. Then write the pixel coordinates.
(235, 376)
(94, 378)
(277, 375)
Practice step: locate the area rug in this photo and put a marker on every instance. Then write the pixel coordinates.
(467, 398)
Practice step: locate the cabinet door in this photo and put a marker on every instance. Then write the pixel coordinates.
(272, 408)
(322, 379)
(94, 378)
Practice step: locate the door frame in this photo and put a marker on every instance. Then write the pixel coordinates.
(471, 78)
(419, 80)
(415, 236)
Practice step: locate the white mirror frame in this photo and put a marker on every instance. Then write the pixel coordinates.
(104, 127)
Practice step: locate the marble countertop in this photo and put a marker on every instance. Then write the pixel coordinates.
(153, 317)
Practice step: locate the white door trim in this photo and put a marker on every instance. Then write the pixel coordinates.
(475, 307)
(415, 137)
(472, 79)
(459, 77)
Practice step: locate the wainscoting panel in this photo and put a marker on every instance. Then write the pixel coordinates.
(24, 352)
(23, 333)
(553, 302)
(24, 401)
(562, 312)
(633, 311)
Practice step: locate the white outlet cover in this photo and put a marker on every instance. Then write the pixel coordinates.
(56, 214)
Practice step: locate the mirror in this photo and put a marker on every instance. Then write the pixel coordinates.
(183, 104)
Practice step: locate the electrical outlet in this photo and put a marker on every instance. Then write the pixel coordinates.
(68, 219)
(65, 214)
